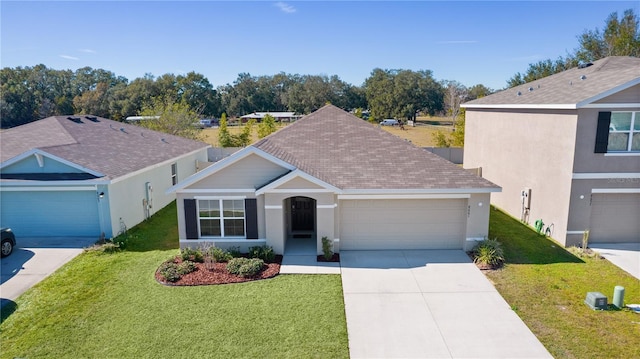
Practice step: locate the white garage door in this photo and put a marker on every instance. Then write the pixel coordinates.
(615, 217)
(403, 224)
(51, 213)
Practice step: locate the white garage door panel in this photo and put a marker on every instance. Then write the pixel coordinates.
(46, 214)
(615, 217)
(403, 224)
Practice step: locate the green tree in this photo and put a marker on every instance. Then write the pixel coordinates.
(244, 138)
(224, 137)
(453, 139)
(402, 93)
(175, 118)
(267, 126)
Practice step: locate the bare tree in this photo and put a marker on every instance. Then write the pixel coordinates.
(455, 93)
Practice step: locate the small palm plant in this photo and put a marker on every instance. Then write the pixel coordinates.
(488, 253)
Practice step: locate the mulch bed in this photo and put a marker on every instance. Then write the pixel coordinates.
(219, 274)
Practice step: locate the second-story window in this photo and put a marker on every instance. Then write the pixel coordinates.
(624, 132)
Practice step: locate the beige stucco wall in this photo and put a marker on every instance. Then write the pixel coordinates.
(252, 171)
(586, 161)
(529, 149)
(630, 95)
(478, 216)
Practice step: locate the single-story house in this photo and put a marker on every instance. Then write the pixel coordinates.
(87, 176)
(278, 116)
(566, 150)
(332, 175)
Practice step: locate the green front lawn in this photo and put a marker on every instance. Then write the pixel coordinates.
(546, 286)
(110, 306)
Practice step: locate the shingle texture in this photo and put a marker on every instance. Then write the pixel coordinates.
(572, 86)
(349, 153)
(108, 147)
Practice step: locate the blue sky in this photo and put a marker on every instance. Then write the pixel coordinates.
(470, 42)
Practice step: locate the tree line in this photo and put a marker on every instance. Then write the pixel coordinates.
(31, 93)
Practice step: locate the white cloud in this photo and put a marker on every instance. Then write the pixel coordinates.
(449, 42)
(88, 51)
(69, 57)
(285, 7)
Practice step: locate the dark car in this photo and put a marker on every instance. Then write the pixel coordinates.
(8, 242)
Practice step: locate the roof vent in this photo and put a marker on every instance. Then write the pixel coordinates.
(585, 65)
(92, 118)
(163, 140)
(75, 119)
(583, 77)
(123, 130)
(530, 89)
(519, 93)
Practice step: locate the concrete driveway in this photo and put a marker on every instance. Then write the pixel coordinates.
(34, 259)
(428, 304)
(623, 255)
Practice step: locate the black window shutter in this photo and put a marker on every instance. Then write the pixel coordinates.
(602, 132)
(251, 217)
(191, 218)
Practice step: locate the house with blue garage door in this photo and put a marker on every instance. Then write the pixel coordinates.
(87, 176)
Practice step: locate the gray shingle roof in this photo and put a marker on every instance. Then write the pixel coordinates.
(349, 153)
(575, 86)
(109, 147)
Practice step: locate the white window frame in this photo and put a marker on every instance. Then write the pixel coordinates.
(174, 173)
(635, 117)
(222, 218)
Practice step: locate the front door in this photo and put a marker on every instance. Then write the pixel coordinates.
(302, 214)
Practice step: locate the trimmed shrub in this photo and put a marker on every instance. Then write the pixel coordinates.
(245, 267)
(169, 270)
(327, 248)
(186, 267)
(193, 255)
(488, 252)
(265, 253)
(235, 252)
(219, 254)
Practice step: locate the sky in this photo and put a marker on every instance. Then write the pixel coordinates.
(472, 42)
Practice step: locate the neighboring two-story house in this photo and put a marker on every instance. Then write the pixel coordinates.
(566, 150)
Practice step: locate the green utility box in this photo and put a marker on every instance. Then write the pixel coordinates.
(596, 300)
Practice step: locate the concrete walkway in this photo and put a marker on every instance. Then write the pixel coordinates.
(300, 258)
(34, 259)
(623, 255)
(428, 304)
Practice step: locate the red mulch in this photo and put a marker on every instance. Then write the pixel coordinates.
(219, 274)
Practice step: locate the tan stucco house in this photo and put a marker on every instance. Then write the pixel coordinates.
(566, 150)
(331, 174)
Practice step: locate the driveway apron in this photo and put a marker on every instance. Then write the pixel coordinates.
(34, 259)
(428, 304)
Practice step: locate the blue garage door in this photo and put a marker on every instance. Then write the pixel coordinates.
(51, 213)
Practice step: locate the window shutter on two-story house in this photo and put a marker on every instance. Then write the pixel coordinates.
(191, 218)
(602, 132)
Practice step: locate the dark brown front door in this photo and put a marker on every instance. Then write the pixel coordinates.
(302, 214)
